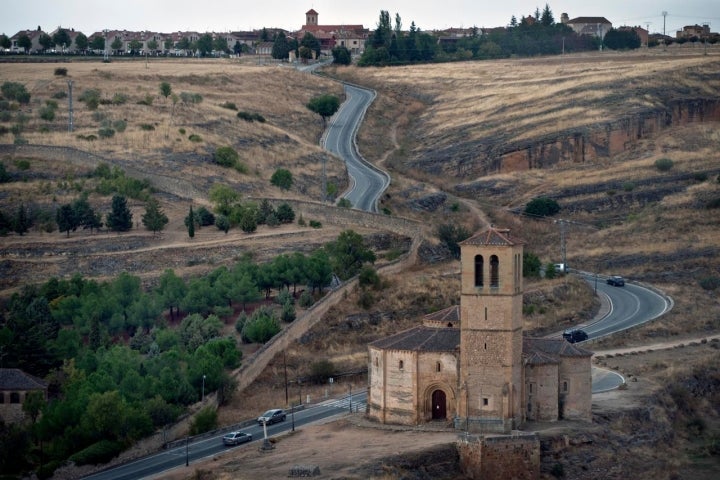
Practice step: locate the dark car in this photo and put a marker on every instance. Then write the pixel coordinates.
(272, 416)
(236, 438)
(616, 281)
(574, 336)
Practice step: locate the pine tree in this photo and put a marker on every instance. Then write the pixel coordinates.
(190, 222)
(21, 223)
(120, 218)
(154, 218)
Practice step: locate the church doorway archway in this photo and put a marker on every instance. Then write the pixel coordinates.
(439, 405)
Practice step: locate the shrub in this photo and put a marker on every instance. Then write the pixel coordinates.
(191, 98)
(204, 421)
(181, 131)
(106, 132)
(22, 164)
(306, 300)
(119, 125)
(287, 314)
(250, 117)
(301, 221)
(119, 99)
(147, 126)
(91, 97)
(195, 138)
(450, 235)
(229, 105)
(15, 91)
(542, 207)
(226, 156)
(628, 186)
(344, 203)
(709, 283)
(285, 213)
(315, 224)
(369, 278)
(89, 138)
(282, 178)
(61, 71)
(700, 176)
(47, 113)
(366, 299)
(321, 371)
(97, 453)
(60, 95)
(147, 100)
(5, 116)
(531, 265)
(664, 164)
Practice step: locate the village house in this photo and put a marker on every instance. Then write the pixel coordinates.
(351, 37)
(470, 366)
(593, 26)
(15, 386)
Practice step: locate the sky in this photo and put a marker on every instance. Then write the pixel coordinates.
(165, 16)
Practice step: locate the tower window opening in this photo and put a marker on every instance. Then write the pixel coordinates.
(437, 367)
(401, 365)
(494, 271)
(479, 263)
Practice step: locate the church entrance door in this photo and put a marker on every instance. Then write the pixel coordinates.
(438, 405)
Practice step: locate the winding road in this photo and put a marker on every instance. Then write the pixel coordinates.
(367, 182)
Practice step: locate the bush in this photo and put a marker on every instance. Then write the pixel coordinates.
(450, 235)
(97, 453)
(287, 313)
(119, 125)
(709, 283)
(147, 100)
(191, 98)
(321, 371)
(91, 97)
(306, 300)
(531, 265)
(60, 95)
(664, 164)
(106, 132)
(344, 203)
(369, 278)
(285, 213)
(195, 138)
(22, 164)
(204, 421)
(15, 91)
(61, 72)
(250, 117)
(542, 207)
(315, 224)
(229, 105)
(301, 221)
(628, 186)
(119, 99)
(147, 126)
(226, 156)
(282, 178)
(47, 113)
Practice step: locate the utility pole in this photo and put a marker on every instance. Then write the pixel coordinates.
(70, 106)
(647, 26)
(105, 58)
(664, 14)
(563, 249)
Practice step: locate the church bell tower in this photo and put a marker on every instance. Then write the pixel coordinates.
(490, 378)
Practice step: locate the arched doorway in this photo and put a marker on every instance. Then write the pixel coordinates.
(439, 405)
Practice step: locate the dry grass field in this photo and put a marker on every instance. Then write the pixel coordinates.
(625, 216)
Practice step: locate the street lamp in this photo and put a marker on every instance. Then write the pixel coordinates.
(203, 389)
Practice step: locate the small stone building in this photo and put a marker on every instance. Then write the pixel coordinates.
(469, 365)
(15, 385)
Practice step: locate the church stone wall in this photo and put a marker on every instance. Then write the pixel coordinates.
(577, 400)
(541, 392)
(398, 402)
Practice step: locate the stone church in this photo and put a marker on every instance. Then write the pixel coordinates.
(471, 366)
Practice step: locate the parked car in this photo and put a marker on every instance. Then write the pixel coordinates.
(236, 438)
(574, 336)
(272, 416)
(616, 281)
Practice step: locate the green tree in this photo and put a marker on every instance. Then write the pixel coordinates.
(285, 213)
(341, 56)
(280, 49)
(165, 89)
(120, 217)
(204, 421)
(223, 197)
(622, 39)
(546, 18)
(190, 223)
(172, 290)
(46, 41)
(67, 219)
(21, 222)
(97, 43)
(222, 223)
(81, 42)
(226, 156)
(116, 44)
(62, 38)
(24, 42)
(282, 178)
(153, 45)
(261, 326)
(154, 218)
(135, 46)
(220, 44)
(183, 44)
(5, 41)
(205, 45)
(33, 404)
(325, 106)
(348, 254)
(311, 42)
(531, 265)
(542, 207)
(451, 235)
(248, 220)
(168, 44)
(15, 91)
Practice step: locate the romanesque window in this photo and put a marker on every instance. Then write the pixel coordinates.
(401, 365)
(437, 367)
(565, 387)
(479, 270)
(14, 397)
(486, 402)
(530, 388)
(494, 271)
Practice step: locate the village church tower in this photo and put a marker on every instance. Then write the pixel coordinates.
(491, 332)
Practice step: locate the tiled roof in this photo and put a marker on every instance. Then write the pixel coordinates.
(539, 358)
(553, 346)
(589, 20)
(450, 314)
(422, 339)
(493, 236)
(16, 379)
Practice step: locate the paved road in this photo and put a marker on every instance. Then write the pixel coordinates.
(367, 183)
(187, 454)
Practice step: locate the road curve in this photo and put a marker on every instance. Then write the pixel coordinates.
(367, 182)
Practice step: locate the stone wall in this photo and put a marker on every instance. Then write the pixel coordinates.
(541, 392)
(576, 402)
(500, 457)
